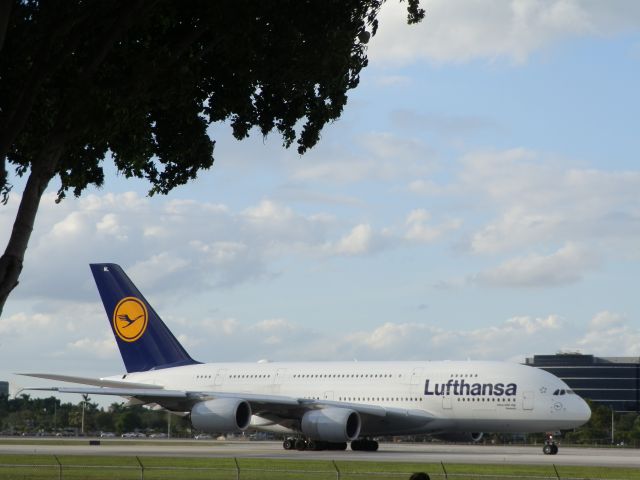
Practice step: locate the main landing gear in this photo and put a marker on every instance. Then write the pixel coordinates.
(308, 444)
(550, 446)
(298, 443)
(364, 445)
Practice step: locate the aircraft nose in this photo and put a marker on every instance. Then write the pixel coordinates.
(583, 411)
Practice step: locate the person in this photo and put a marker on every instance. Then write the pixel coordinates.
(419, 476)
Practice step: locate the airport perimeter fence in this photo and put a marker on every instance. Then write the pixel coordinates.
(60, 471)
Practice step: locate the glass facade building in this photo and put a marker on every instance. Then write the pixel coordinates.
(611, 381)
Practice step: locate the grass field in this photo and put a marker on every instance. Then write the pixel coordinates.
(155, 468)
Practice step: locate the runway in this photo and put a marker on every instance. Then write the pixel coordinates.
(389, 452)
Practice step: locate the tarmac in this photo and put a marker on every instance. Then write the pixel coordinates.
(388, 452)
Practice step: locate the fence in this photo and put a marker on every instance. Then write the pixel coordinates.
(234, 471)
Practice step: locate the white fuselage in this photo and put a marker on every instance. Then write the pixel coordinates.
(461, 396)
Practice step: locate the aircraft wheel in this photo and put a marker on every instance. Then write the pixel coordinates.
(301, 444)
(287, 444)
(337, 446)
(313, 445)
(371, 446)
(554, 449)
(546, 449)
(364, 445)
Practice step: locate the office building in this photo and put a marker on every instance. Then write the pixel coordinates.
(610, 381)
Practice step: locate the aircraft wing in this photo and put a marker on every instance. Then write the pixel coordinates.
(97, 382)
(285, 407)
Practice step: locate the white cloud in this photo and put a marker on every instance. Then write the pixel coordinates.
(564, 266)
(533, 325)
(494, 342)
(158, 268)
(524, 203)
(375, 156)
(104, 348)
(73, 225)
(338, 171)
(24, 324)
(419, 231)
(228, 326)
(417, 228)
(460, 31)
(269, 212)
(275, 325)
(276, 330)
(393, 81)
(517, 227)
(185, 245)
(537, 200)
(387, 341)
(189, 342)
(456, 126)
(175, 244)
(219, 253)
(231, 338)
(425, 187)
(400, 341)
(279, 338)
(110, 224)
(358, 242)
(611, 334)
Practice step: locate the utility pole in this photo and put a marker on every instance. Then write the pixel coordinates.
(85, 399)
(612, 427)
(168, 424)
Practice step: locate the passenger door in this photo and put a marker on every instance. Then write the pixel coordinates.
(528, 398)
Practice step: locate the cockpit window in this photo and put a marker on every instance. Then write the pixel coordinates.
(562, 391)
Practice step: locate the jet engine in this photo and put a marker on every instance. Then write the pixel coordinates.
(331, 424)
(462, 437)
(221, 415)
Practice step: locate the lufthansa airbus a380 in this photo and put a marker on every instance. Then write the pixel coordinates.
(321, 405)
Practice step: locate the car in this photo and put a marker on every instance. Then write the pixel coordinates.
(202, 436)
(107, 434)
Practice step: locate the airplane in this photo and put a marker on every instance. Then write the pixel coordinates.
(321, 405)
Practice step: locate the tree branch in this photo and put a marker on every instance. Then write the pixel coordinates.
(12, 260)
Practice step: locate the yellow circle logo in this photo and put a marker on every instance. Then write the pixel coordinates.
(130, 319)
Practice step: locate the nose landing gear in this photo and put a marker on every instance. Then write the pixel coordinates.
(550, 447)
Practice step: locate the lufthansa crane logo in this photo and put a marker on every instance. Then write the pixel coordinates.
(130, 319)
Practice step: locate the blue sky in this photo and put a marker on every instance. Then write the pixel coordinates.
(477, 199)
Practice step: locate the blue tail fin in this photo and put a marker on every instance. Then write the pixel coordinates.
(144, 340)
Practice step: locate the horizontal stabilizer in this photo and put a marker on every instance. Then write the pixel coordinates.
(96, 382)
(119, 392)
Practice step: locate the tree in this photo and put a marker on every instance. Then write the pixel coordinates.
(142, 80)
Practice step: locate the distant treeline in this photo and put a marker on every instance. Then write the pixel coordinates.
(625, 428)
(50, 416)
